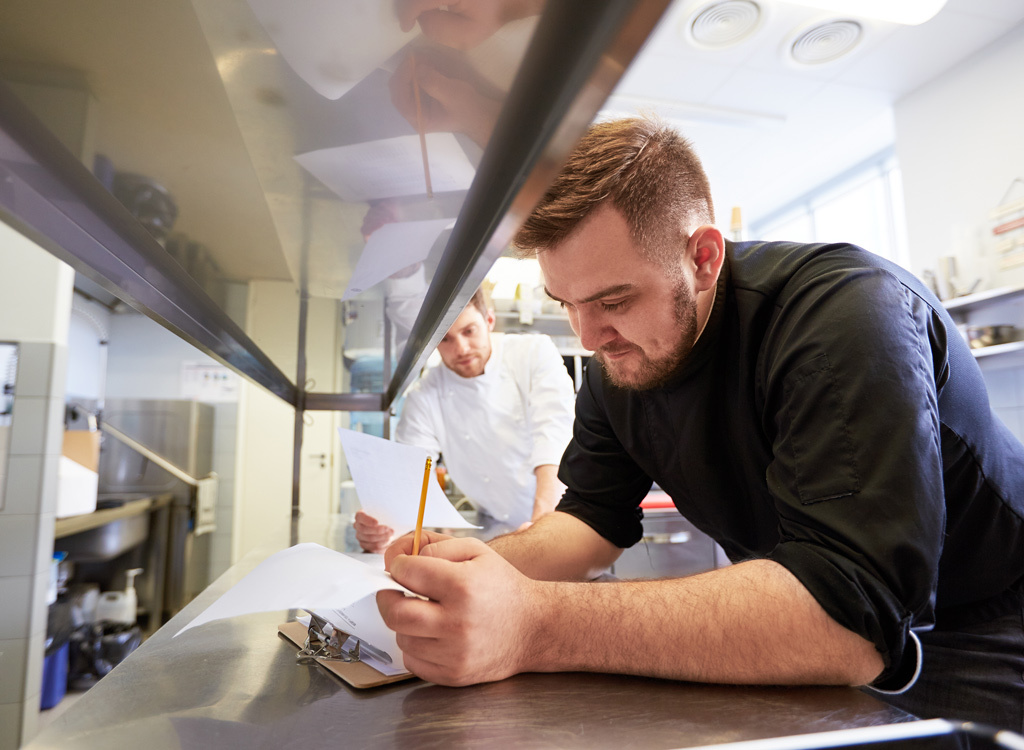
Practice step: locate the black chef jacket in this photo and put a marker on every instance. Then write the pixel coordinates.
(830, 418)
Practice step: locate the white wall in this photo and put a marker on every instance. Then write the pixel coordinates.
(960, 143)
(88, 331)
(262, 514)
(145, 359)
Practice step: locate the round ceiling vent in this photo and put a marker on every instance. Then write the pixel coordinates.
(724, 23)
(825, 42)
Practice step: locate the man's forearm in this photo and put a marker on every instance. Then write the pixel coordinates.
(750, 623)
(558, 547)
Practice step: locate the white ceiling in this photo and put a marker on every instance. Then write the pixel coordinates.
(769, 131)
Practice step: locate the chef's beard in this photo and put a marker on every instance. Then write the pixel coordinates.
(655, 372)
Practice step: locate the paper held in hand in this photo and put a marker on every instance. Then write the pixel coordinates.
(388, 478)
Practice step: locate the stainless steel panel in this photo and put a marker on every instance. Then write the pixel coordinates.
(235, 684)
(179, 431)
(182, 433)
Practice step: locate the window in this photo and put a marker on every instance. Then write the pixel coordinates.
(863, 206)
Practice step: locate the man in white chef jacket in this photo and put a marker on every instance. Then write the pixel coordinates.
(500, 409)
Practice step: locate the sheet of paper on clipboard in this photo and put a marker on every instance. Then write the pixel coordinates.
(362, 619)
(314, 578)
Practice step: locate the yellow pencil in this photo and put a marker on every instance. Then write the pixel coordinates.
(423, 505)
(419, 127)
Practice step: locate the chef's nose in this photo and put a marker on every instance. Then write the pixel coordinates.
(592, 329)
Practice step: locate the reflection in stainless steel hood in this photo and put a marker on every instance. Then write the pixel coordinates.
(288, 133)
(340, 78)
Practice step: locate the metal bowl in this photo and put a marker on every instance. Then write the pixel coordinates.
(982, 336)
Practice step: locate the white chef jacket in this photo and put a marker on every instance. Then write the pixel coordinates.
(496, 428)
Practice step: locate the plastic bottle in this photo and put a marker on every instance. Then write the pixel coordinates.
(120, 606)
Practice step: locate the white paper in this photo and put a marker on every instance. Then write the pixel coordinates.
(391, 248)
(306, 576)
(362, 619)
(332, 44)
(389, 479)
(390, 167)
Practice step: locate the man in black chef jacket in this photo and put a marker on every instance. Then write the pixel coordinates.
(810, 407)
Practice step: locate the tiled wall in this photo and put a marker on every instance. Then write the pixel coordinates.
(26, 534)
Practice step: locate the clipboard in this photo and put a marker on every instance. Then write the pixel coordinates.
(354, 673)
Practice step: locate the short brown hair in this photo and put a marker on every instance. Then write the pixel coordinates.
(647, 170)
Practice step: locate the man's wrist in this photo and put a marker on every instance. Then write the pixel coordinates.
(539, 650)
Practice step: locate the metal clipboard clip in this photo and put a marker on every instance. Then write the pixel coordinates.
(323, 641)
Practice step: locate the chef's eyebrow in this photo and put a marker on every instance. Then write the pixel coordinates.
(610, 291)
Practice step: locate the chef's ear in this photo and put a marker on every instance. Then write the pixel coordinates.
(706, 249)
(490, 319)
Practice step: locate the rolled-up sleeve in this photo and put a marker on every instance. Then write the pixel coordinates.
(851, 393)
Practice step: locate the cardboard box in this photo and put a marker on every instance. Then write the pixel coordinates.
(83, 447)
(78, 479)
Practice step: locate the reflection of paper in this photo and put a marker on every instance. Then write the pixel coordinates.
(332, 44)
(390, 249)
(306, 576)
(389, 479)
(390, 167)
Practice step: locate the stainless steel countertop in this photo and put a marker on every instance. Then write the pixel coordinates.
(235, 684)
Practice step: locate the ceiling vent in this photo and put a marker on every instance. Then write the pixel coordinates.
(825, 42)
(724, 23)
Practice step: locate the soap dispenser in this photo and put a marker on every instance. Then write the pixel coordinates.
(120, 606)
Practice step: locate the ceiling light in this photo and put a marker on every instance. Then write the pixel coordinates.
(825, 42)
(908, 12)
(722, 24)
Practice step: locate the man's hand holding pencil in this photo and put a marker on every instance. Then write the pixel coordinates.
(477, 623)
